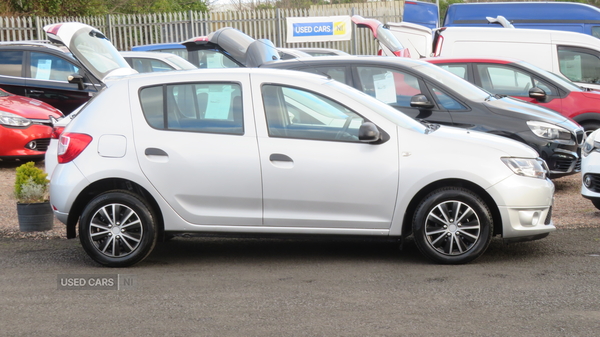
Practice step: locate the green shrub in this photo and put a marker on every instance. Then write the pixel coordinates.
(31, 184)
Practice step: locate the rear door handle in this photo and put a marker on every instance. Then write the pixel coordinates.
(152, 151)
(280, 157)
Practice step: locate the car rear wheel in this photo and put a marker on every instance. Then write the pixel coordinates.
(452, 225)
(117, 229)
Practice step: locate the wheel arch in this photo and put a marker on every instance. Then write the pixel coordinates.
(588, 118)
(418, 197)
(105, 185)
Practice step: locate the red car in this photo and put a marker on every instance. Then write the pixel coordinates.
(25, 126)
(525, 81)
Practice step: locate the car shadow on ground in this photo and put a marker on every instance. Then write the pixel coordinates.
(193, 250)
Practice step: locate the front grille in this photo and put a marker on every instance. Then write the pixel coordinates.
(592, 182)
(548, 217)
(41, 144)
(578, 165)
(579, 135)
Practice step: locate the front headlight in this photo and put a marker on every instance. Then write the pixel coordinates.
(551, 132)
(527, 167)
(591, 144)
(10, 119)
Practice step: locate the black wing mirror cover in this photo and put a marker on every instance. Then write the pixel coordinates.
(537, 93)
(370, 133)
(420, 101)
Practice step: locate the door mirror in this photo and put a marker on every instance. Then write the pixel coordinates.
(420, 101)
(537, 93)
(368, 133)
(78, 79)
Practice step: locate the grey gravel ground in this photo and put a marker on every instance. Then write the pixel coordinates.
(571, 210)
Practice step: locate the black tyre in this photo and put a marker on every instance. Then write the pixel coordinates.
(452, 225)
(596, 203)
(117, 229)
(590, 127)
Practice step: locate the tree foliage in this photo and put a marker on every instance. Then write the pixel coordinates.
(98, 7)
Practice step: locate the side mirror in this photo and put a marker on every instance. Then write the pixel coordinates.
(78, 79)
(368, 132)
(537, 93)
(420, 101)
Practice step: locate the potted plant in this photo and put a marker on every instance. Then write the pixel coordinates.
(33, 207)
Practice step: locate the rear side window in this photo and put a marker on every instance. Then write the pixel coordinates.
(195, 107)
(459, 70)
(336, 73)
(144, 65)
(213, 59)
(11, 63)
(579, 64)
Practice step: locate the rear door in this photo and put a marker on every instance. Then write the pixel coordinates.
(11, 71)
(196, 143)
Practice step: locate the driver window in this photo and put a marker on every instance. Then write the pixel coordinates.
(49, 67)
(446, 101)
(579, 65)
(504, 80)
(296, 113)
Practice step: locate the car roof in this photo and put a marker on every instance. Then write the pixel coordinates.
(387, 60)
(498, 60)
(158, 46)
(35, 44)
(148, 54)
(169, 76)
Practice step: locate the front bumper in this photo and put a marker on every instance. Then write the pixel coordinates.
(526, 214)
(24, 142)
(590, 176)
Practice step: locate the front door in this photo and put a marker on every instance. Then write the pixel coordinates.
(316, 173)
(396, 88)
(47, 80)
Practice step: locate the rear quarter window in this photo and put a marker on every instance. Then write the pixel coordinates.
(194, 107)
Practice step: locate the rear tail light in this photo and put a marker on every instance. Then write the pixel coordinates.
(70, 145)
(438, 44)
(56, 131)
(402, 52)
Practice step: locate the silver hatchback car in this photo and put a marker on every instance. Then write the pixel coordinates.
(262, 151)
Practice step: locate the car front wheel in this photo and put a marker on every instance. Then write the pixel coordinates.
(117, 229)
(452, 225)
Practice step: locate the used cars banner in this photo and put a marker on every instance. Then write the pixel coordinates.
(318, 29)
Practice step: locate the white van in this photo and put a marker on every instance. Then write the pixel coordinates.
(573, 55)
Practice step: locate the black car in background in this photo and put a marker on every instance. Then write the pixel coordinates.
(41, 70)
(431, 94)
